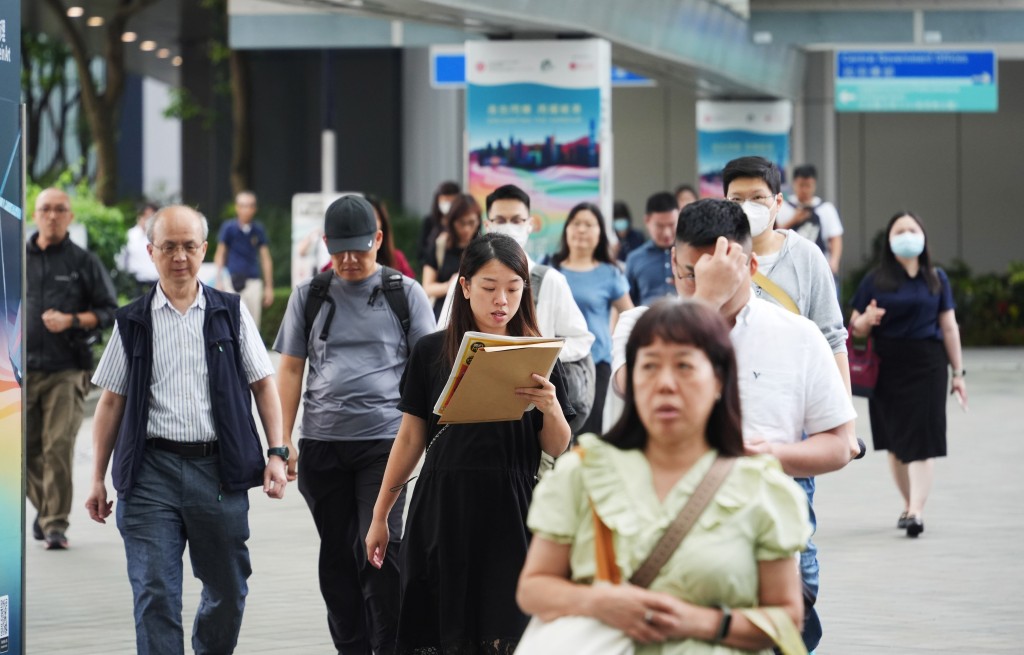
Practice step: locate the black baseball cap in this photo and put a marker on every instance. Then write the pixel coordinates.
(350, 224)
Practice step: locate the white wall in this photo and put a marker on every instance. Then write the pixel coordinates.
(161, 144)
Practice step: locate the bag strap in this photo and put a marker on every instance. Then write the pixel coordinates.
(677, 530)
(775, 291)
(318, 295)
(394, 293)
(536, 280)
(604, 551)
(774, 622)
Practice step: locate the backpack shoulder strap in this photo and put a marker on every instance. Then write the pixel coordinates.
(536, 280)
(318, 294)
(394, 293)
(776, 292)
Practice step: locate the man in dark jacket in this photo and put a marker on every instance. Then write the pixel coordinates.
(69, 297)
(179, 374)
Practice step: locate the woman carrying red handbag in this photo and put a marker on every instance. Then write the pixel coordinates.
(905, 304)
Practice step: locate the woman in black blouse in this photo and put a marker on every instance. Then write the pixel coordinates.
(906, 306)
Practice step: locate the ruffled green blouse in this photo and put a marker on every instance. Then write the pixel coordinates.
(759, 513)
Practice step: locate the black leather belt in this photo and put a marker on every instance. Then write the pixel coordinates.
(193, 449)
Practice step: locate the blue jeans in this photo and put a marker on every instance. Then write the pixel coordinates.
(176, 500)
(809, 571)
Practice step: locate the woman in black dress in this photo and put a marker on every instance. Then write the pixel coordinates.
(441, 264)
(906, 305)
(466, 538)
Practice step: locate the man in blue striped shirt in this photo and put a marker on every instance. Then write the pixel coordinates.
(179, 375)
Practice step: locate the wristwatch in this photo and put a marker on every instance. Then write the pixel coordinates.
(959, 373)
(75, 323)
(280, 451)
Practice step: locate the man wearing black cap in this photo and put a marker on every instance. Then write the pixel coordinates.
(357, 351)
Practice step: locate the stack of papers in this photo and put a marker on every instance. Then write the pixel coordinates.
(482, 385)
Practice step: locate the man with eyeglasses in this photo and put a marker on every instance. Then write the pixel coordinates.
(242, 249)
(180, 373)
(795, 405)
(69, 298)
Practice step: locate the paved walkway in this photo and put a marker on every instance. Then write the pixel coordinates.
(956, 589)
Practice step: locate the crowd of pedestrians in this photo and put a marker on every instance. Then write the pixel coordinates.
(721, 338)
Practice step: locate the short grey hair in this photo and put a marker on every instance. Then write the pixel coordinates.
(152, 220)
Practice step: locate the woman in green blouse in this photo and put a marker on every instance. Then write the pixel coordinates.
(682, 409)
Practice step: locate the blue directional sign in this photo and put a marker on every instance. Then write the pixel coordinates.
(448, 70)
(916, 81)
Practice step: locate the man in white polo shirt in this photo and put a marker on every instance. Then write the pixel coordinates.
(789, 383)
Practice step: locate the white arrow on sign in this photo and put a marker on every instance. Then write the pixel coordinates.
(846, 97)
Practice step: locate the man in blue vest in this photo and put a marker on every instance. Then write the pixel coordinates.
(182, 464)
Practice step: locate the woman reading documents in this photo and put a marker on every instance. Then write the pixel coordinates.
(466, 536)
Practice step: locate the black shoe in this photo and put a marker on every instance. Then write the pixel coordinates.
(37, 530)
(56, 541)
(915, 526)
(901, 524)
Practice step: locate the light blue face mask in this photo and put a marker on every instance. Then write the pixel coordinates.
(907, 244)
(621, 224)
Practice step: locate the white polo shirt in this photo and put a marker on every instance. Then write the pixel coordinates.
(789, 382)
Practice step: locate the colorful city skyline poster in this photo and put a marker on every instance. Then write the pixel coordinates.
(727, 130)
(538, 115)
(12, 248)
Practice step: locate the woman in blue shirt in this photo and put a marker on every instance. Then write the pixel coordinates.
(598, 286)
(906, 306)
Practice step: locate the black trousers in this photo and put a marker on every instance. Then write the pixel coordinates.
(340, 481)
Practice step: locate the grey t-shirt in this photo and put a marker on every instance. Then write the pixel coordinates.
(802, 271)
(352, 387)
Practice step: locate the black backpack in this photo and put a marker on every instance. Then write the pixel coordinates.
(394, 293)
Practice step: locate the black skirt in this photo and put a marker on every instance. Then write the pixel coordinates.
(908, 408)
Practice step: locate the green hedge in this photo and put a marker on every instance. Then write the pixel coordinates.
(273, 315)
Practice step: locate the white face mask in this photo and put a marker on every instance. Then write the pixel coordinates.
(758, 216)
(907, 244)
(520, 232)
(444, 206)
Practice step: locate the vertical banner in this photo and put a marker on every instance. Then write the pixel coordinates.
(727, 130)
(538, 115)
(12, 496)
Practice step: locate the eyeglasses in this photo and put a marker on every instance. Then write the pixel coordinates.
(56, 209)
(170, 249)
(760, 199)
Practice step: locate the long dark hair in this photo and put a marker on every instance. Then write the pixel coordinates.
(478, 253)
(601, 253)
(681, 321)
(386, 252)
(889, 273)
(462, 205)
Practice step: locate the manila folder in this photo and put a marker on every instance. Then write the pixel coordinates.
(487, 391)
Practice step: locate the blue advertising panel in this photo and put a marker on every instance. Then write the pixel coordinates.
(916, 81)
(538, 116)
(728, 129)
(12, 496)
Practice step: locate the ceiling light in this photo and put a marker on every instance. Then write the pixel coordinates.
(163, 53)
(94, 21)
(176, 61)
(75, 12)
(129, 37)
(147, 46)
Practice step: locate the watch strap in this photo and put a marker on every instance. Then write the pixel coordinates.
(280, 451)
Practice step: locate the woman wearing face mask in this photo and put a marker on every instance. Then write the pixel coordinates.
(906, 306)
(629, 237)
(598, 287)
(433, 223)
(465, 539)
(441, 265)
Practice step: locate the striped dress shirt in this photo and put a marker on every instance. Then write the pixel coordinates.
(179, 391)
